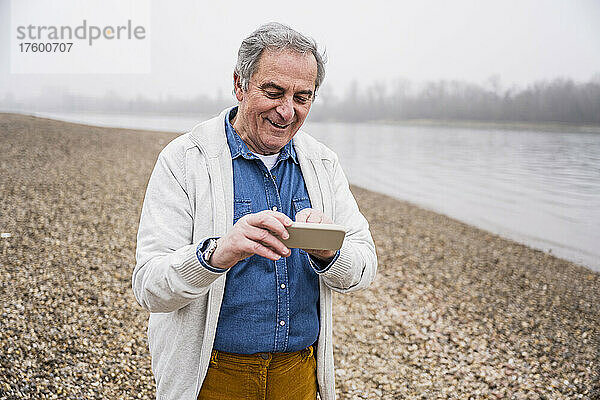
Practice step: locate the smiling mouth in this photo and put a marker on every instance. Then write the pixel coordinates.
(278, 125)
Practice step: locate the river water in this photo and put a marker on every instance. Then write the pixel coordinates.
(538, 188)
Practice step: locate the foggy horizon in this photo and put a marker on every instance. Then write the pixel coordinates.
(555, 101)
(493, 83)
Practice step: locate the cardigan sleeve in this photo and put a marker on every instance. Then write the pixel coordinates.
(168, 274)
(356, 266)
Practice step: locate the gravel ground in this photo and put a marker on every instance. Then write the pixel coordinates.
(455, 312)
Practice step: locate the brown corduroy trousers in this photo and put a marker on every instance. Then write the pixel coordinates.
(264, 376)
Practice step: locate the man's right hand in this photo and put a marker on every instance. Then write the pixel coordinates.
(253, 234)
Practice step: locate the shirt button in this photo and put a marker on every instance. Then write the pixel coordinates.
(282, 286)
(274, 208)
(282, 322)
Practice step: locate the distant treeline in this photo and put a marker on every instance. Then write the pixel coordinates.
(560, 100)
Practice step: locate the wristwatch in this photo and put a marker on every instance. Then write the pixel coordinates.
(210, 248)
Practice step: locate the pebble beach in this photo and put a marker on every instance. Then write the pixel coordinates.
(454, 313)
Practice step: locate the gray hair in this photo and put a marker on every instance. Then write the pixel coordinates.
(274, 35)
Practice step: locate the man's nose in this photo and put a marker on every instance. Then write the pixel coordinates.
(286, 110)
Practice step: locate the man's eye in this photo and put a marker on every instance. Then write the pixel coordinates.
(302, 99)
(273, 95)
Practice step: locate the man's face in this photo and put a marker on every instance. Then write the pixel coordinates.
(277, 101)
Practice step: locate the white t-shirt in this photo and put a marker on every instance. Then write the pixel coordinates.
(269, 161)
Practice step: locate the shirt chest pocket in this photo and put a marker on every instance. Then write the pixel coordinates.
(241, 207)
(300, 204)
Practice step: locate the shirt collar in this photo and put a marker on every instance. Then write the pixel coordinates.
(237, 147)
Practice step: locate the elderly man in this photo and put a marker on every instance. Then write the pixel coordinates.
(234, 312)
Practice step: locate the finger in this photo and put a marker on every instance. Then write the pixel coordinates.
(318, 217)
(267, 239)
(257, 248)
(272, 221)
(315, 218)
(284, 219)
(302, 215)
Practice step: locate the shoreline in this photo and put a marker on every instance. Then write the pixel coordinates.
(417, 122)
(454, 312)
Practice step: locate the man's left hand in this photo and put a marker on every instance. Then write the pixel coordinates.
(317, 217)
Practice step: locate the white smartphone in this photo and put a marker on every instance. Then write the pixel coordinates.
(307, 235)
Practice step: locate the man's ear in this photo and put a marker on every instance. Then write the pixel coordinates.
(237, 87)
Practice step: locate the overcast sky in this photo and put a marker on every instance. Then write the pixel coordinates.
(194, 44)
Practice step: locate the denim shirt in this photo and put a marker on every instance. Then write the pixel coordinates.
(279, 313)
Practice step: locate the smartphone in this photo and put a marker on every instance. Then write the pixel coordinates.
(307, 235)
